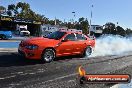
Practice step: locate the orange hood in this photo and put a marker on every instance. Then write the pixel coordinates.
(41, 41)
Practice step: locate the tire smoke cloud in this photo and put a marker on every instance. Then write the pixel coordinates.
(112, 45)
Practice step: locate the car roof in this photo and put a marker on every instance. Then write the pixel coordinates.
(69, 32)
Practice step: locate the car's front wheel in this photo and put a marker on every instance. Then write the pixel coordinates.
(48, 55)
(3, 37)
(87, 51)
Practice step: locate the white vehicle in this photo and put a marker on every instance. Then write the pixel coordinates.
(96, 30)
(23, 30)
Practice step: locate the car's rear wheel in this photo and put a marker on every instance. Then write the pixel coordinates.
(87, 51)
(48, 55)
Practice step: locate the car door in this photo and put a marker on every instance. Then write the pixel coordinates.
(80, 43)
(66, 47)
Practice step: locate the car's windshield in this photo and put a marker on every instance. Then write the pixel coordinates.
(56, 35)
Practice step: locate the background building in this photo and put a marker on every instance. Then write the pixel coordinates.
(10, 24)
(48, 29)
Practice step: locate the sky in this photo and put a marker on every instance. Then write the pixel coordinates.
(103, 11)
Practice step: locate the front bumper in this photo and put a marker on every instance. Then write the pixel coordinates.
(21, 53)
(29, 54)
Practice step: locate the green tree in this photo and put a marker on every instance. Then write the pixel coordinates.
(78, 26)
(84, 25)
(58, 22)
(120, 31)
(70, 25)
(12, 10)
(9, 13)
(128, 32)
(24, 9)
(81, 19)
(109, 28)
(45, 20)
(23, 6)
(2, 9)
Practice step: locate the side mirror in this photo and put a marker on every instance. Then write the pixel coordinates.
(92, 37)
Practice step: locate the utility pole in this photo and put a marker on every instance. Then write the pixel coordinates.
(74, 15)
(91, 16)
(55, 20)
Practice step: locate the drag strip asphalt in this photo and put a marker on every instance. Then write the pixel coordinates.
(18, 73)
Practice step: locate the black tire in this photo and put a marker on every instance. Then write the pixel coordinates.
(22, 57)
(87, 51)
(3, 37)
(48, 55)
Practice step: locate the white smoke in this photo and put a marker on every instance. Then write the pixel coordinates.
(112, 45)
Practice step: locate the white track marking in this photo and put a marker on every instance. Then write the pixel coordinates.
(8, 49)
(60, 77)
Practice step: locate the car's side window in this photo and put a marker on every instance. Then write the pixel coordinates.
(81, 37)
(70, 37)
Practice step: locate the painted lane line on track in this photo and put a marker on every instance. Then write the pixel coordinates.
(10, 41)
(8, 77)
(8, 49)
(62, 77)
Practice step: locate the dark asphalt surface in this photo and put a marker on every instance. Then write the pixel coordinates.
(62, 73)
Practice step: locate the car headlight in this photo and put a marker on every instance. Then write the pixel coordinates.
(31, 47)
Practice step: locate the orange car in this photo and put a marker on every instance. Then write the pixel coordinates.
(59, 43)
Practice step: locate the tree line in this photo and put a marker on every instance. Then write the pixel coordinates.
(111, 28)
(23, 10)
